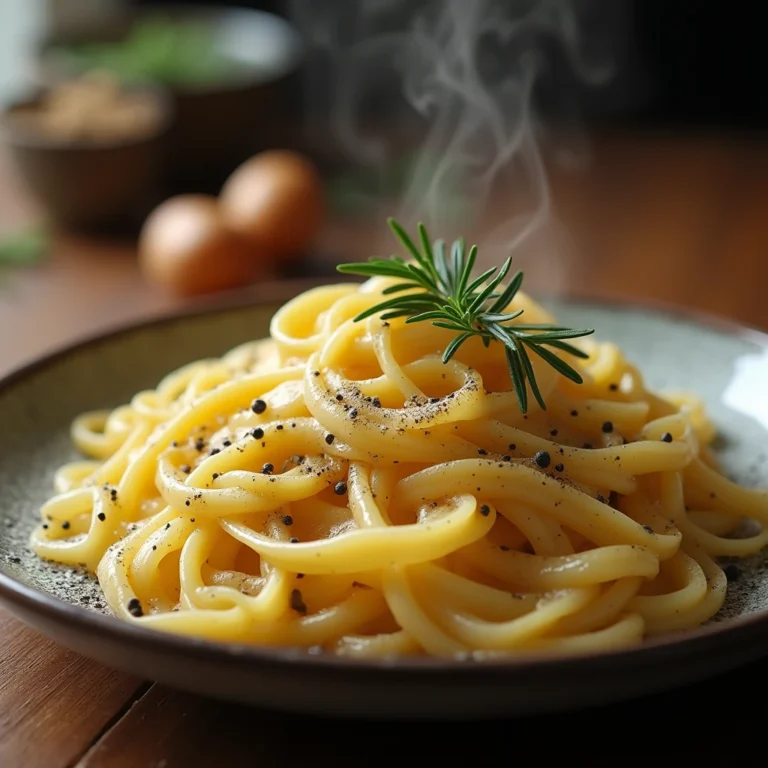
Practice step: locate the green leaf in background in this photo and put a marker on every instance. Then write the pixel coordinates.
(24, 248)
(158, 50)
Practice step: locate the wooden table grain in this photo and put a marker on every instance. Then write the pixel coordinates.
(680, 219)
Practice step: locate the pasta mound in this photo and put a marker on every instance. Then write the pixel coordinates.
(338, 486)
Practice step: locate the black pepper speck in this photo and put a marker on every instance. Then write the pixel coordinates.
(732, 572)
(297, 602)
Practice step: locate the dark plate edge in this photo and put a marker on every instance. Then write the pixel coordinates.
(692, 641)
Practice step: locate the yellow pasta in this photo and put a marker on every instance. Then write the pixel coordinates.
(338, 486)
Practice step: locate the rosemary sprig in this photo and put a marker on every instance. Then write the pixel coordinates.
(441, 289)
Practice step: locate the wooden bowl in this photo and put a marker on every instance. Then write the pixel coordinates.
(104, 184)
(219, 123)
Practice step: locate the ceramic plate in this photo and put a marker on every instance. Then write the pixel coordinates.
(727, 365)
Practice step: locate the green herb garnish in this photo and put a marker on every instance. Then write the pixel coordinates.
(24, 248)
(157, 50)
(446, 294)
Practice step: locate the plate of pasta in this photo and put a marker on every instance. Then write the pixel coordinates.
(426, 494)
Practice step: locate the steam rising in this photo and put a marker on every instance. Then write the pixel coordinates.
(468, 69)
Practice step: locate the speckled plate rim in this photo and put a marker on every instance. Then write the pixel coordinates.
(704, 639)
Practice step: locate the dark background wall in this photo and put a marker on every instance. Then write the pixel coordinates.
(689, 63)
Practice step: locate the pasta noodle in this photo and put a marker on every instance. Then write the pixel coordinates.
(338, 486)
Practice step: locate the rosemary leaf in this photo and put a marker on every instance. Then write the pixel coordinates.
(443, 292)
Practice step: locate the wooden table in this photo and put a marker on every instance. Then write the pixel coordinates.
(673, 219)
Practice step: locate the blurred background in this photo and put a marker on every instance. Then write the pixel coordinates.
(156, 155)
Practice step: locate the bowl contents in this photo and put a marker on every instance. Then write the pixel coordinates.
(186, 248)
(427, 464)
(156, 49)
(275, 200)
(92, 109)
